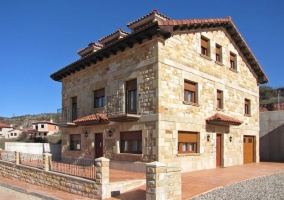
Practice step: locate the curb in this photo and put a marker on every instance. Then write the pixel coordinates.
(22, 190)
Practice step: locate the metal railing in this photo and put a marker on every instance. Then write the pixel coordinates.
(78, 167)
(34, 160)
(122, 103)
(8, 156)
(66, 115)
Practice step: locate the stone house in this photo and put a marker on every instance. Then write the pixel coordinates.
(4, 130)
(45, 128)
(181, 92)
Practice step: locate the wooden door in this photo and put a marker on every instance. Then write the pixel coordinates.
(218, 150)
(248, 149)
(98, 145)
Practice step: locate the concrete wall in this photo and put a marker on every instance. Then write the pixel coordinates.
(34, 148)
(272, 136)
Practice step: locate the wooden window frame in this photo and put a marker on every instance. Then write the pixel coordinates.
(204, 46)
(247, 105)
(190, 88)
(99, 98)
(218, 53)
(219, 99)
(187, 138)
(233, 61)
(131, 96)
(75, 139)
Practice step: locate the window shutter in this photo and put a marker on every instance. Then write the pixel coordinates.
(219, 94)
(131, 135)
(131, 85)
(232, 57)
(187, 136)
(99, 93)
(218, 49)
(204, 43)
(190, 86)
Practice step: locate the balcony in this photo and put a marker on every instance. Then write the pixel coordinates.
(65, 116)
(123, 107)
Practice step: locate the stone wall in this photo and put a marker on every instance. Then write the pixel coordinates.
(179, 60)
(162, 182)
(97, 189)
(139, 62)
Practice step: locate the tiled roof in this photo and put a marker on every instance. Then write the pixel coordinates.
(98, 117)
(43, 122)
(166, 29)
(2, 125)
(151, 13)
(119, 30)
(94, 44)
(220, 118)
(194, 21)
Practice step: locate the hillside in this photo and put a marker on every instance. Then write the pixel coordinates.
(26, 120)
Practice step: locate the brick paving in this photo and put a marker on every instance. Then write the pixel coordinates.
(193, 183)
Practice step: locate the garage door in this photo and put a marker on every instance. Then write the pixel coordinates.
(248, 149)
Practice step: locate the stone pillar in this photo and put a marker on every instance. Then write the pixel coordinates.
(102, 176)
(17, 157)
(47, 161)
(155, 181)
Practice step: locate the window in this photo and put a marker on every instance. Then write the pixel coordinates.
(247, 107)
(74, 108)
(36, 127)
(218, 53)
(187, 142)
(219, 99)
(131, 96)
(11, 134)
(190, 91)
(131, 142)
(204, 46)
(44, 134)
(233, 64)
(75, 142)
(99, 98)
(42, 125)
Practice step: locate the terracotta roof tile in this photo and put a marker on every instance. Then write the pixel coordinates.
(194, 21)
(94, 44)
(151, 13)
(119, 30)
(3, 125)
(98, 117)
(218, 117)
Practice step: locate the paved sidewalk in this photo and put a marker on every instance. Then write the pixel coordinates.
(193, 183)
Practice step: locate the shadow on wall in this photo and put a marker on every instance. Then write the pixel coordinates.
(272, 145)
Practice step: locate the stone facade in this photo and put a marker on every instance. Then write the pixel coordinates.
(161, 65)
(98, 189)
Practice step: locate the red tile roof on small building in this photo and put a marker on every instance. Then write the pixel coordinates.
(223, 119)
(151, 13)
(44, 122)
(98, 117)
(3, 125)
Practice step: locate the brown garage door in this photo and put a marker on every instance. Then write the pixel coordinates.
(248, 149)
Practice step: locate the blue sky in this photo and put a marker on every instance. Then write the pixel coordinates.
(40, 37)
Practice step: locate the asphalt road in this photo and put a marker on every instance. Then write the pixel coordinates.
(8, 194)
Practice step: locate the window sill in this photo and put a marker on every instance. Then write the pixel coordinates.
(190, 103)
(206, 57)
(234, 70)
(247, 115)
(219, 63)
(188, 154)
(220, 109)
